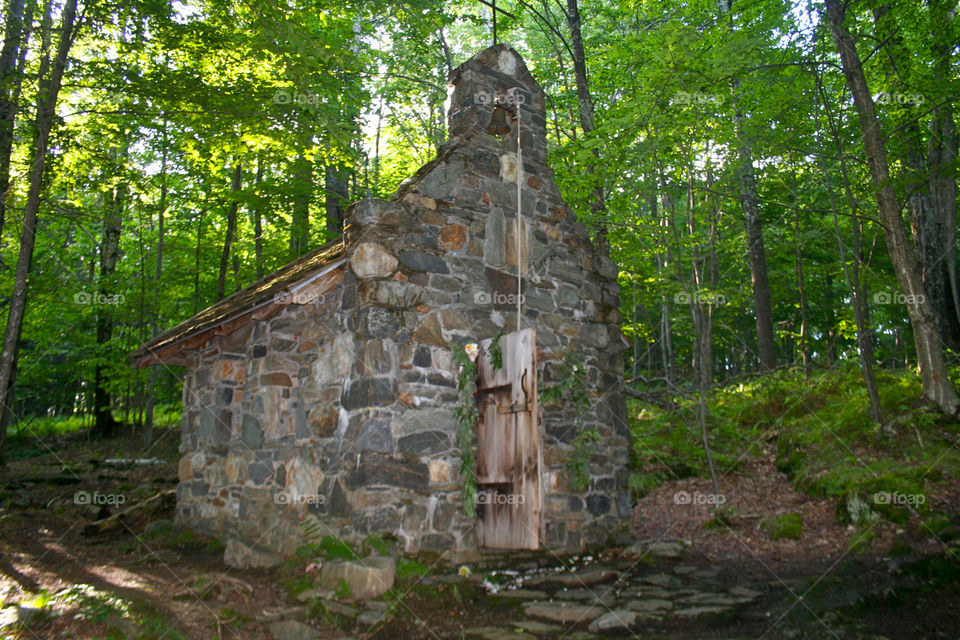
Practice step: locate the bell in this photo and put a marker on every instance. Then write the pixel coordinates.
(498, 123)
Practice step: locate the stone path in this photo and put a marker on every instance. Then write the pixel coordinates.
(620, 598)
(600, 599)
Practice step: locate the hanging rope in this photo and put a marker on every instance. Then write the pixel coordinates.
(519, 214)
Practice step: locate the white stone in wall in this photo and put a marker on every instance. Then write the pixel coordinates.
(302, 482)
(335, 360)
(372, 260)
(508, 167)
(440, 472)
(507, 63)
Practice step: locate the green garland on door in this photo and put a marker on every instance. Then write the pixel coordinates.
(467, 417)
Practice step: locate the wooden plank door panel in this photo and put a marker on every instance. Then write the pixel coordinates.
(508, 445)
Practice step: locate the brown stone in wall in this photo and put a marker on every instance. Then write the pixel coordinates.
(452, 237)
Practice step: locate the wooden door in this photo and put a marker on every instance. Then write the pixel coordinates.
(508, 445)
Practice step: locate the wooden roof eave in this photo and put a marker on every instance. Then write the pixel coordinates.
(174, 352)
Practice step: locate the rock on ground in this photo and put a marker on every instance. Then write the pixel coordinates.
(240, 556)
(366, 578)
(293, 630)
(618, 619)
(563, 612)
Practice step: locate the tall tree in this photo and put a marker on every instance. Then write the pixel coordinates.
(15, 37)
(104, 423)
(586, 111)
(851, 274)
(302, 192)
(228, 239)
(50, 81)
(933, 370)
(929, 168)
(749, 201)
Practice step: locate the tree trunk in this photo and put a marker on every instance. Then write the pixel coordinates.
(8, 111)
(157, 275)
(598, 205)
(756, 253)
(801, 289)
(851, 274)
(931, 184)
(942, 165)
(933, 371)
(336, 195)
(231, 231)
(300, 222)
(196, 261)
(48, 90)
(258, 221)
(14, 40)
(104, 424)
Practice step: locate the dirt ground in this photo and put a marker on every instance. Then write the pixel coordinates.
(903, 582)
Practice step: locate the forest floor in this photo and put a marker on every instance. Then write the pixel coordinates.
(877, 580)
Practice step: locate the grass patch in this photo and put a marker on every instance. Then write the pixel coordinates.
(408, 568)
(164, 416)
(379, 545)
(789, 525)
(100, 606)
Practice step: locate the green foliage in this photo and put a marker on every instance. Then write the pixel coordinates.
(410, 568)
(789, 525)
(233, 618)
(342, 590)
(467, 417)
(572, 385)
(334, 548)
(572, 391)
(824, 439)
(97, 606)
(377, 544)
(496, 353)
(579, 462)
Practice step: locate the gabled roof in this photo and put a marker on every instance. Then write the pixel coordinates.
(238, 306)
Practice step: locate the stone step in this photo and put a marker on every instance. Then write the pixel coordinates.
(582, 578)
(618, 619)
(522, 594)
(563, 612)
(537, 628)
(498, 633)
(649, 606)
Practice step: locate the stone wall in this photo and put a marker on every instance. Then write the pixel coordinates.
(339, 411)
(451, 231)
(261, 411)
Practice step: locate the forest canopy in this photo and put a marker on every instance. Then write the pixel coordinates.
(776, 180)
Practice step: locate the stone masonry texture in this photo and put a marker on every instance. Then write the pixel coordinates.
(335, 415)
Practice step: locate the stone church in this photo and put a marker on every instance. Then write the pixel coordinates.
(322, 399)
